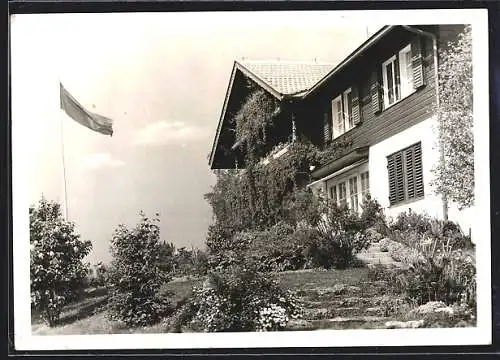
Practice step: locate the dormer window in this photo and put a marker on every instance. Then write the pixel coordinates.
(397, 76)
(342, 113)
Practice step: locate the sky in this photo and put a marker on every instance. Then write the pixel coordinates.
(162, 78)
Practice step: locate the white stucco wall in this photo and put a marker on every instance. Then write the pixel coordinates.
(424, 132)
(379, 180)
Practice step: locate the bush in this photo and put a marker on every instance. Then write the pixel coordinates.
(278, 249)
(420, 223)
(135, 275)
(57, 272)
(239, 299)
(437, 253)
(440, 264)
(342, 233)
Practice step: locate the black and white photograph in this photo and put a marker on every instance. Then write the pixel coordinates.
(250, 179)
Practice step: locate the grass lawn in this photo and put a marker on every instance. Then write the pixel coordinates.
(333, 299)
(86, 317)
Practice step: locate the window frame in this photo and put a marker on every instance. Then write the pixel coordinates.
(334, 185)
(354, 193)
(336, 122)
(405, 86)
(385, 83)
(347, 120)
(402, 154)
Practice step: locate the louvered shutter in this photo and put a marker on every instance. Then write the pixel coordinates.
(417, 62)
(356, 111)
(419, 178)
(410, 172)
(392, 179)
(327, 127)
(375, 92)
(398, 164)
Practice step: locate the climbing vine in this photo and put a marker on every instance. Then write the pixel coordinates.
(254, 120)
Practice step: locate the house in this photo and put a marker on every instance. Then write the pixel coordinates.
(381, 99)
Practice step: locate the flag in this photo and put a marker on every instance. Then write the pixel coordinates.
(77, 112)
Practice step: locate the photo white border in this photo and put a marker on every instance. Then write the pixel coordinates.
(480, 335)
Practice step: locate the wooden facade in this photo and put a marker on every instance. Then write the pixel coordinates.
(375, 124)
(312, 112)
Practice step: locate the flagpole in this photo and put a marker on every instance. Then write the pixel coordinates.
(64, 168)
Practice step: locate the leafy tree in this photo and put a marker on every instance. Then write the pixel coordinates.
(455, 175)
(56, 268)
(135, 275)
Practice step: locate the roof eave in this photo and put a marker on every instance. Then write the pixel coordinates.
(223, 113)
(357, 52)
(256, 79)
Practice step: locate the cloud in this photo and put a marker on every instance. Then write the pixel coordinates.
(163, 132)
(101, 160)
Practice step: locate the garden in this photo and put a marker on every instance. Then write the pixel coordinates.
(276, 258)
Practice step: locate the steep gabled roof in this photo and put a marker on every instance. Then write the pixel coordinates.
(286, 77)
(279, 78)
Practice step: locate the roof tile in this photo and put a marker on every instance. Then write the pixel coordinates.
(288, 77)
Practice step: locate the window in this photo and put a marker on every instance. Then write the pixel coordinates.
(365, 184)
(342, 194)
(350, 190)
(333, 193)
(353, 194)
(397, 76)
(338, 117)
(342, 113)
(405, 174)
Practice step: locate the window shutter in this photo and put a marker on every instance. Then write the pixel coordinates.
(375, 92)
(356, 112)
(417, 62)
(392, 179)
(419, 179)
(327, 127)
(410, 172)
(398, 164)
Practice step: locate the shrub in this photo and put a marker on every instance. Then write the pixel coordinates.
(57, 272)
(135, 275)
(438, 269)
(437, 253)
(278, 249)
(341, 234)
(239, 299)
(420, 223)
